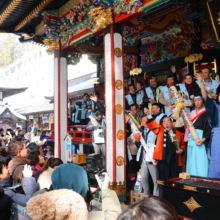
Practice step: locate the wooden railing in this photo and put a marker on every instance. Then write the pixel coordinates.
(82, 136)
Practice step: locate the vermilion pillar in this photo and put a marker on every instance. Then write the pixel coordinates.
(60, 103)
(115, 108)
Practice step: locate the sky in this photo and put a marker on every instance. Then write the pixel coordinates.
(84, 67)
(74, 71)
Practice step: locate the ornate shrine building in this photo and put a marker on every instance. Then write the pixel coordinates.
(125, 39)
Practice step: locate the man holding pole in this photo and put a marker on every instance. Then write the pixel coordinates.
(169, 147)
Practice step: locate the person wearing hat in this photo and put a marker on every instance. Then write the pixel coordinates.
(169, 159)
(197, 160)
(43, 135)
(20, 133)
(65, 202)
(34, 146)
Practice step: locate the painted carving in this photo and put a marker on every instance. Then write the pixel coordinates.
(171, 48)
(102, 17)
(126, 7)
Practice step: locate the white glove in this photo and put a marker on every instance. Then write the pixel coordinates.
(27, 172)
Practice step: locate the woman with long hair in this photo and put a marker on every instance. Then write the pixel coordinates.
(38, 163)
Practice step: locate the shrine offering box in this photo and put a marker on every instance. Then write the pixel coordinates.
(80, 158)
(195, 198)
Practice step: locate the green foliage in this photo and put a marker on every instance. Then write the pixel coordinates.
(10, 49)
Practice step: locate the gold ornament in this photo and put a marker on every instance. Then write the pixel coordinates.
(118, 84)
(160, 182)
(119, 160)
(192, 204)
(118, 109)
(120, 135)
(118, 52)
(218, 18)
(95, 81)
(135, 71)
(193, 58)
(52, 45)
(27, 37)
(102, 17)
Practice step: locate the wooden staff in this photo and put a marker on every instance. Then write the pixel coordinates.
(146, 148)
(150, 108)
(133, 119)
(176, 142)
(185, 114)
(158, 93)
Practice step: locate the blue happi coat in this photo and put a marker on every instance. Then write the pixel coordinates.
(165, 90)
(214, 87)
(130, 100)
(213, 151)
(149, 92)
(185, 91)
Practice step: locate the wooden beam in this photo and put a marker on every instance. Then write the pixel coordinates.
(31, 15)
(11, 7)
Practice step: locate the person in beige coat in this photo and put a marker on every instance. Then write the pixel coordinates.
(66, 204)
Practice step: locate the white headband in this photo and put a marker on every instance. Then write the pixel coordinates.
(198, 97)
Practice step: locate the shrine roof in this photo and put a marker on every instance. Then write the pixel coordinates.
(15, 13)
(10, 88)
(157, 30)
(7, 114)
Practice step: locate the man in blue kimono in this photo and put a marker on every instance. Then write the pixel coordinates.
(82, 110)
(165, 96)
(213, 111)
(97, 126)
(152, 90)
(210, 83)
(133, 98)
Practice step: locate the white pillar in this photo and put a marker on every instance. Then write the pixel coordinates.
(60, 103)
(115, 108)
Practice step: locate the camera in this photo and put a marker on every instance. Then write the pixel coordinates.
(93, 167)
(91, 176)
